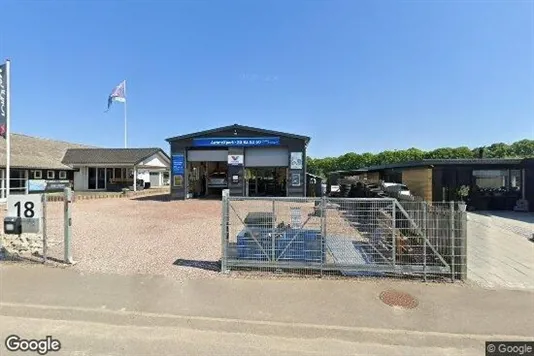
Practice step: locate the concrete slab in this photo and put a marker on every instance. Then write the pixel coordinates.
(499, 254)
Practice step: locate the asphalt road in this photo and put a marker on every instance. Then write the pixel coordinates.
(119, 315)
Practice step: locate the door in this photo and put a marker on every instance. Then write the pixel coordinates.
(91, 178)
(154, 179)
(96, 178)
(266, 157)
(109, 175)
(101, 183)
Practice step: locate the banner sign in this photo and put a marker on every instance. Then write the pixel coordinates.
(235, 160)
(178, 164)
(36, 186)
(296, 160)
(3, 99)
(236, 142)
(56, 186)
(178, 170)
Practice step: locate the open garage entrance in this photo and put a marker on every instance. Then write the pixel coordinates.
(266, 182)
(266, 171)
(207, 172)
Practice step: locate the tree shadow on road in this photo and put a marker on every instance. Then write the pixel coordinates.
(205, 265)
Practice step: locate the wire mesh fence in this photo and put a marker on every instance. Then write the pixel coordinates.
(54, 226)
(347, 236)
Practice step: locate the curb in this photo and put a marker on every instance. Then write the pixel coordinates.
(59, 198)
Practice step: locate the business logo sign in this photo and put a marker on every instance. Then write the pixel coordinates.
(296, 160)
(235, 160)
(236, 142)
(295, 179)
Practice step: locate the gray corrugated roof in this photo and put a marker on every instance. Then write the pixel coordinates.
(446, 162)
(237, 126)
(36, 153)
(109, 155)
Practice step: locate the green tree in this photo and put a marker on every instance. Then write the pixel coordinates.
(499, 150)
(352, 160)
(441, 153)
(523, 148)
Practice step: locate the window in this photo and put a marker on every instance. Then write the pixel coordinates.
(491, 179)
(37, 174)
(62, 175)
(498, 182)
(50, 174)
(515, 180)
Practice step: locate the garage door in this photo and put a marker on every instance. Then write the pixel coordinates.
(208, 156)
(154, 179)
(266, 157)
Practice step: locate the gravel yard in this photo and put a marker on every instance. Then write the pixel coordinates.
(155, 236)
(141, 236)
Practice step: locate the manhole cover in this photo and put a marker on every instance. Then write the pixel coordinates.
(398, 299)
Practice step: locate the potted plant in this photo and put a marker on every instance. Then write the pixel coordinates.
(463, 193)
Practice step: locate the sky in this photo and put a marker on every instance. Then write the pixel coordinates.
(355, 76)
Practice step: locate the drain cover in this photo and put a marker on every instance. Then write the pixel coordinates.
(398, 299)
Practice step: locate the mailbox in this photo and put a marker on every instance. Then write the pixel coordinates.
(13, 225)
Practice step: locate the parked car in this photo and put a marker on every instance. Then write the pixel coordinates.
(396, 188)
(218, 180)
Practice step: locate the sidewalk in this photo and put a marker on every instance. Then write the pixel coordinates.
(447, 314)
(499, 252)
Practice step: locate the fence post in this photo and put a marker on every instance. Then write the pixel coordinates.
(322, 207)
(224, 230)
(425, 232)
(394, 238)
(273, 240)
(453, 236)
(67, 224)
(463, 245)
(45, 247)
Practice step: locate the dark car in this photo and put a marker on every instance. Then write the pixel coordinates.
(218, 180)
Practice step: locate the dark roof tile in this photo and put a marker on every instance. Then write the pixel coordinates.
(446, 162)
(35, 152)
(237, 126)
(109, 155)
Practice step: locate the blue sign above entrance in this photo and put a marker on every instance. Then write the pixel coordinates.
(236, 142)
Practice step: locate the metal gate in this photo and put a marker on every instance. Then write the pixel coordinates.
(352, 237)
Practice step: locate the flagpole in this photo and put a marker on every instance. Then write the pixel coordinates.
(8, 128)
(125, 119)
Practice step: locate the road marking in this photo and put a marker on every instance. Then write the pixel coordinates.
(267, 323)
